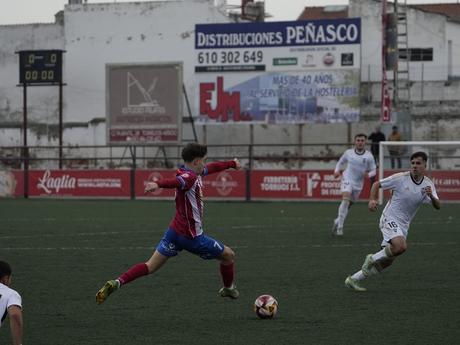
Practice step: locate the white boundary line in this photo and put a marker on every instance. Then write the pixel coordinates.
(344, 245)
(372, 226)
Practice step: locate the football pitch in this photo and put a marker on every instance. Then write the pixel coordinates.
(63, 251)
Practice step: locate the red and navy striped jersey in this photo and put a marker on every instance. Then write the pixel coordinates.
(188, 220)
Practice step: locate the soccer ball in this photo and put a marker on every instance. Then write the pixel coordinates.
(265, 306)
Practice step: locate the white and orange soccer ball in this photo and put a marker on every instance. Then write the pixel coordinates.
(266, 306)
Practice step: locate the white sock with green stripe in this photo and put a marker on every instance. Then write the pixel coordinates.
(385, 253)
(360, 274)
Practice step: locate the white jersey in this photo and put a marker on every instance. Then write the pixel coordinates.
(8, 297)
(357, 166)
(407, 196)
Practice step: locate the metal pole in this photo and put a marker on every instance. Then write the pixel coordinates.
(25, 152)
(422, 81)
(60, 124)
(24, 119)
(132, 150)
(369, 94)
(395, 67)
(300, 147)
(250, 158)
(192, 122)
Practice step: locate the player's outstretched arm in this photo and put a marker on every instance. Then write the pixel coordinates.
(166, 183)
(339, 166)
(372, 205)
(215, 167)
(237, 164)
(150, 187)
(15, 315)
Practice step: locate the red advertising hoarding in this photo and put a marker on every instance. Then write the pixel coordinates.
(447, 184)
(298, 185)
(80, 183)
(229, 184)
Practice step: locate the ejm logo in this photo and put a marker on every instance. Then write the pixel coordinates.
(227, 103)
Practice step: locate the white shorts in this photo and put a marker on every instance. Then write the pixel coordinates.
(390, 229)
(347, 187)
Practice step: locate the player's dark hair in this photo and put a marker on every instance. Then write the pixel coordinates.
(5, 269)
(419, 154)
(361, 135)
(192, 151)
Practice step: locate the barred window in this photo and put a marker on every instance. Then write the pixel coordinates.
(417, 54)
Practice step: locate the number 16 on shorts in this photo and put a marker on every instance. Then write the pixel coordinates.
(392, 225)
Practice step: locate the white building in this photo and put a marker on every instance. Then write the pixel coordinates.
(93, 35)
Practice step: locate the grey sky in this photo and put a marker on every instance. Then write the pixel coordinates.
(42, 11)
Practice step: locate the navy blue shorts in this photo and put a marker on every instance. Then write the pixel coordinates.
(204, 246)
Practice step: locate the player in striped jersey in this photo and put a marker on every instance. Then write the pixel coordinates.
(186, 229)
(409, 190)
(359, 162)
(10, 304)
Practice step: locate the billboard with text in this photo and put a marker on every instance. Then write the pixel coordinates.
(294, 72)
(80, 183)
(301, 185)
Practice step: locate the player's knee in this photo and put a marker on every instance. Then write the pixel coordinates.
(346, 197)
(228, 255)
(402, 248)
(399, 248)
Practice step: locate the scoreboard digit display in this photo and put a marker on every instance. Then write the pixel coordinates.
(40, 67)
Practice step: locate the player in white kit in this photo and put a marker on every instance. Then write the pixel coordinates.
(360, 163)
(10, 304)
(408, 191)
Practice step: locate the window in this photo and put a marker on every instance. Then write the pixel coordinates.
(417, 54)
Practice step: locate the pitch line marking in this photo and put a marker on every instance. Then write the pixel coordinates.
(344, 245)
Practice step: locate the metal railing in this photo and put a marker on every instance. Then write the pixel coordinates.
(252, 156)
(164, 156)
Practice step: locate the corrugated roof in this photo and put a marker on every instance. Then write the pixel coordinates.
(451, 10)
(324, 12)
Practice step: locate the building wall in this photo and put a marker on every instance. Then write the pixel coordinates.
(42, 101)
(452, 34)
(370, 13)
(428, 30)
(94, 35)
(142, 32)
(425, 30)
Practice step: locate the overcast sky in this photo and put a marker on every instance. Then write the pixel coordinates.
(42, 11)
